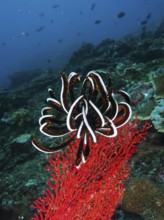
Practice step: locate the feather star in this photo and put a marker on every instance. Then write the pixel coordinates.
(94, 112)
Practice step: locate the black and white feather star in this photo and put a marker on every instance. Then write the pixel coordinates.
(94, 112)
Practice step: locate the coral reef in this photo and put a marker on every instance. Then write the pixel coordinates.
(134, 64)
(157, 116)
(158, 83)
(20, 117)
(145, 198)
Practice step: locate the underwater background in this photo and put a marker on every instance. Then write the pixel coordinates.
(123, 39)
(44, 33)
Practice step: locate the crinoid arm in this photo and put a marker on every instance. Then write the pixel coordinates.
(124, 114)
(52, 149)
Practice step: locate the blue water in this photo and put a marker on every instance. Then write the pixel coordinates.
(44, 33)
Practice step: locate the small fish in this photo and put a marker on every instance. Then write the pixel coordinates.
(81, 12)
(39, 29)
(25, 34)
(60, 40)
(121, 14)
(52, 21)
(148, 16)
(49, 61)
(55, 6)
(79, 34)
(41, 14)
(93, 6)
(3, 44)
(143, 22)
(98, 21)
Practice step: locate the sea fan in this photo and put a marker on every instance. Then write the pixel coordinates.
(95, 189)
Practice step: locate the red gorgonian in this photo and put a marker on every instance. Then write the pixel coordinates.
(94, 190)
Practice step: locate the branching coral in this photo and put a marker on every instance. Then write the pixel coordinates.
(95, 189)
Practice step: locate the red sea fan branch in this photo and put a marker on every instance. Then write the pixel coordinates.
(95, 189)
